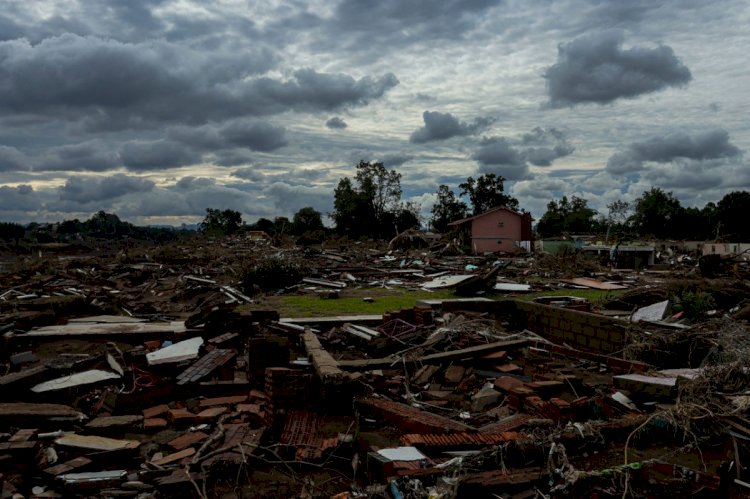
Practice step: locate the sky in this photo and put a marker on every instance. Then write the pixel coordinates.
(158, 109)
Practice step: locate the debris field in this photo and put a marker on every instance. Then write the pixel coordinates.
(162, 372)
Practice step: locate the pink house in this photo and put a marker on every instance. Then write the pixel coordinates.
(497, 230)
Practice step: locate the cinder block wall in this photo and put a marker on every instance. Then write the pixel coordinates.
(578, 329)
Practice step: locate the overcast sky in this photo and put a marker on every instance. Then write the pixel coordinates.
(157, 109)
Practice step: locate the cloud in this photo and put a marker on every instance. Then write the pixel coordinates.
(596, 69)
(132, 85)
(249, 173)
(255, 136)
(707, 145)
(373, 26)
(497, 155)
(156, 155)
(19, 198)
(397, 159)
(291, 198)
(190, 182)
(544, 145)
(232, 157)
(511, 157)
(93, 155)
(442, 126)
(336, 122)
(83, 190)
(12, 160)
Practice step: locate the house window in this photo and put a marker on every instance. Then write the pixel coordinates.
(501, 224)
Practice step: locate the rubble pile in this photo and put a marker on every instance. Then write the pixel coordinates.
(127, 376)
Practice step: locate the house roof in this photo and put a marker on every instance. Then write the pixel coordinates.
(491, 210)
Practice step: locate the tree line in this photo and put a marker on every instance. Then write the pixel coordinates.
(369, 205)
(656, 214)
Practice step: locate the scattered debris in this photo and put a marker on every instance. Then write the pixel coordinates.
(125, 375)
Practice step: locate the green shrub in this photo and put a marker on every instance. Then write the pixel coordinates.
(696, 304)
(271, 273)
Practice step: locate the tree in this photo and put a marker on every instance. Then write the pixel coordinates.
(369, 208)
(572, 215)
(264, 224)
(307, 219)
(618, 216)
(446, 209)
(486, 192)
(657, 214)
(221, 221)
(10, 230)
(731, 212)
(106, 225)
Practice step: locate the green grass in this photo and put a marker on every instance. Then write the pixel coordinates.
(594, 296)
(350, 303)
(386, 300)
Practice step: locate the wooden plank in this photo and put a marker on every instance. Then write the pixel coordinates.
(471, 352)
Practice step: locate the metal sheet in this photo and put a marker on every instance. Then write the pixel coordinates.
(447, 281)
(84, 378)
(183, 350)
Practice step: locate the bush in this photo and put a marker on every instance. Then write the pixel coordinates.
(697, 304)
(271, 273)
(311, 237)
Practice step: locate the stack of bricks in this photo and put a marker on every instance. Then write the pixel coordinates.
(405, 314)
(423, 315)
(263, 352)
(288, 388)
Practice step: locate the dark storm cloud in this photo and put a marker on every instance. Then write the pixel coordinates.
(442, 126)
(20, 198)
(708, 145)
(9, 30)
(190, 182)
(398, 23)
(156, 155)
(83, 190)
(94, 156)
(12, 160)
(596, 69)
(497, 155)
(130, 85)
(313, 91)
(336, 122)
(232, 157)
(545, 145)
(255, 136)
(249, 173)
(511, 157)
(394, 160)
(291, 198)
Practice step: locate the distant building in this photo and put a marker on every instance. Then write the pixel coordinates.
(630, 256)
(497, 230)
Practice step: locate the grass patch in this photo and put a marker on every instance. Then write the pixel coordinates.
(594, 296)
(349, 303)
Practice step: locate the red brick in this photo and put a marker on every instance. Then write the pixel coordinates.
(158, 410)
(236, 399)
(180, 415)
(210, 413)
(152, 345)
(154, 423)
(508, 368)
(505, 383)
(186, 440)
